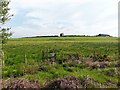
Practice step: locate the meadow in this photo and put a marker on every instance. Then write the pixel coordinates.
(47, 58)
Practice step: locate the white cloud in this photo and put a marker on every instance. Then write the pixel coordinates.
(69, 16)
(22, 31)
(38, 3)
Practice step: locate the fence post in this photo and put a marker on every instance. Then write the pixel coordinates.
(25, 57)
(47, 54)
(2, 58)
(54, 57)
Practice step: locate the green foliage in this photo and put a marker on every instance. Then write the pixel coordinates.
(4, 11)
(5, 34)
(4, 17)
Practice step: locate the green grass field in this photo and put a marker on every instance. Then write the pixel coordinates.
(31, 58)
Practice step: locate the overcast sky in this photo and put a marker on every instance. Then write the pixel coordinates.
(52, 17)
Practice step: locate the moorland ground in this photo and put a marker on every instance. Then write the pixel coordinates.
(48, 58)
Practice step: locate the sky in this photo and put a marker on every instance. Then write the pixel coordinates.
(71, 17)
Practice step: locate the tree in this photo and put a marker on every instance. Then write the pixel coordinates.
(4, 31)
(4, 17)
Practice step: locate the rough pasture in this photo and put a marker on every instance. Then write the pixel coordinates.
(31, 58)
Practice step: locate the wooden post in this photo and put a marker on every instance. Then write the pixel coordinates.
(2, 54)
(2, 58)
(25, 58)
(54, 57)
(47, 54)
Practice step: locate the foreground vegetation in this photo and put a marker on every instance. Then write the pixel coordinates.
(49, 58)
